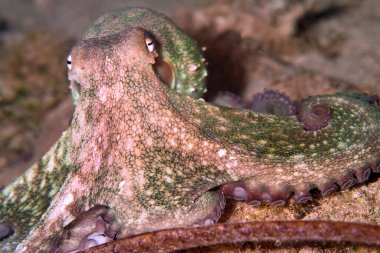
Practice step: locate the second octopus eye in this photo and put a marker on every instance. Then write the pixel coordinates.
(68, 62)
(149, 42)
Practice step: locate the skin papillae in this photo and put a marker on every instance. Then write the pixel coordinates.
(148, 157)
(177, 50)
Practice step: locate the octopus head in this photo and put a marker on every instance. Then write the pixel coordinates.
(108, 74)
(104, 61)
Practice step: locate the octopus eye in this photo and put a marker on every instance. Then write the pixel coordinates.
(149, 42)
(68, 62)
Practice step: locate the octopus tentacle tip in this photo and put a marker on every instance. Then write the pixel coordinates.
(315, 118)
(273, 102)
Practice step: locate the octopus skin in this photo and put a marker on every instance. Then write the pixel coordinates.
(141, 155)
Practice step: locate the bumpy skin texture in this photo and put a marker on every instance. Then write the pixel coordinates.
(175, 47)
(25, 200)
(148, 157)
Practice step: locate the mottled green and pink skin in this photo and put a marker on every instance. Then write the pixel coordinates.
(176, 48)
(151, 157)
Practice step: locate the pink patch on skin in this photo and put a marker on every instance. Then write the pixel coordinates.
(142, 100)
(193, 67)
(109, 65)
(110, 160)
(103, 94)
(118, 90)
(63, 202)
(97, 76)
(98, 163)
(129, 143)
(127, 188)
(149, 141)
(152, 119)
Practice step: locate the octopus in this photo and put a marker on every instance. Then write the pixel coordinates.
(145, 153)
